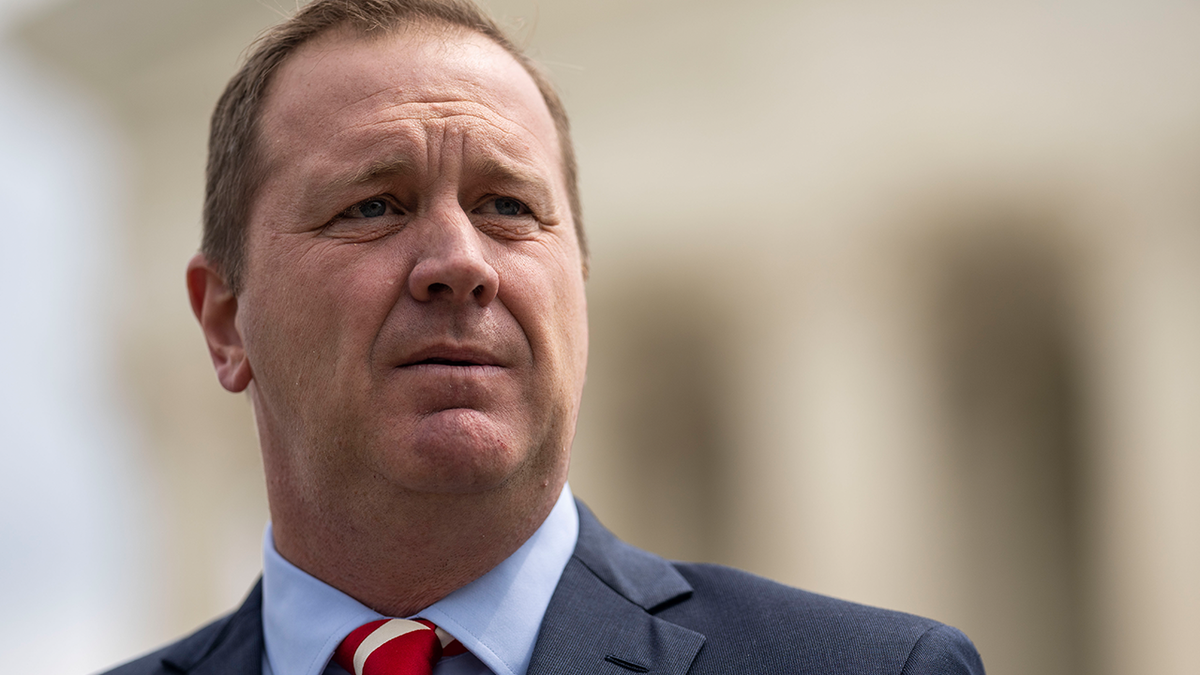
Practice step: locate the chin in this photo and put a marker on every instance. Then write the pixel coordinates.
(456, 452)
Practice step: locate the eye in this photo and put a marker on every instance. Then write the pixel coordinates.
(374, 207)
(504, 206)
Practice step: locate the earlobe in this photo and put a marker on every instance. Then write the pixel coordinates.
(215, 306)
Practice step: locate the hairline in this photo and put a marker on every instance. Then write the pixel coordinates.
(347, 33)
(257, 164)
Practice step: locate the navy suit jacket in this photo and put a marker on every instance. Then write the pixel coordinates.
(620, 610)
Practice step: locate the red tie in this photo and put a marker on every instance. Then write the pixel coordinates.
(395, 647)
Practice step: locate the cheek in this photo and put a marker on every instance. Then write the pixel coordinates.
(285, 342)
(317, 307)
(581, 353)
(548, 301)
(570, 306)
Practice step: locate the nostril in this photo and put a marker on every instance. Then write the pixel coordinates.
(478, 291)
(438, 288)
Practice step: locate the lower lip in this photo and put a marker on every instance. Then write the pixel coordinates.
(440, 387)
(446, 369)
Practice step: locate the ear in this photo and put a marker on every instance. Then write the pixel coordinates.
(215, 307)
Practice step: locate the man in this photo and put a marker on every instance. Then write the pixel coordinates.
(393, 269)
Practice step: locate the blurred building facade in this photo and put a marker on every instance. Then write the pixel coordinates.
(898, 302)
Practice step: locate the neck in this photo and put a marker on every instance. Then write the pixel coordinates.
(399, 552)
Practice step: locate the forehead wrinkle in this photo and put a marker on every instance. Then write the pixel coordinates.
(422, 134)
(398, 164)
(487, 100)
(364, 99)
(431, 118)
(441, 108)
(401, 164)
(519, 148)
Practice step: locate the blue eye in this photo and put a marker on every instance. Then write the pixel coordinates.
(372, 208)
(506, 206)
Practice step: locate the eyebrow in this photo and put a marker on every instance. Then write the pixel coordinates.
(493, 170)
(485, 169)
(383, 168)
(331, 190)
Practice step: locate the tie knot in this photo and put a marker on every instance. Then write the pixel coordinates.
(395, 647)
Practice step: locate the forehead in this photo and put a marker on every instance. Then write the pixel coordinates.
(341, 90)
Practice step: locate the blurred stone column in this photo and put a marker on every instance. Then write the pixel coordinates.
(159, 68)
(1145, 490)
(846, 488)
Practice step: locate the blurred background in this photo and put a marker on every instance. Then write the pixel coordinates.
(893, 301)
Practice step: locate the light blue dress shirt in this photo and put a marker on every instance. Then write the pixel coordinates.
(496, 617)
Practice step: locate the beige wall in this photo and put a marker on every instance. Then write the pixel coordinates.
(898, 302)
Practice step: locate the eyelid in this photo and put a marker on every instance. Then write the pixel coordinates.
(391, 202)
(492, 199)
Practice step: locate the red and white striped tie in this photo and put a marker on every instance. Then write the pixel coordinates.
(395, 647)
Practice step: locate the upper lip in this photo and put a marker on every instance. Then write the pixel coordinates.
(451, 355)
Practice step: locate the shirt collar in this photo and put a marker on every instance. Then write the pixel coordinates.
(496, 617)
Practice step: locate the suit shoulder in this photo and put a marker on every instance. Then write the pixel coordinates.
(154, 662)
(231, 644)
(752, 622)
(741, 593)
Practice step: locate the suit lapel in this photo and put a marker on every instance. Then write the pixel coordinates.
(601, 618)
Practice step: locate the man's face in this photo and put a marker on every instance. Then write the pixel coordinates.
(413, 310)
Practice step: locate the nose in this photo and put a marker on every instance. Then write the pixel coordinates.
(451, 265)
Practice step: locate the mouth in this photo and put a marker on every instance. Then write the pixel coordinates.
(452, 357)
(441, 361)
